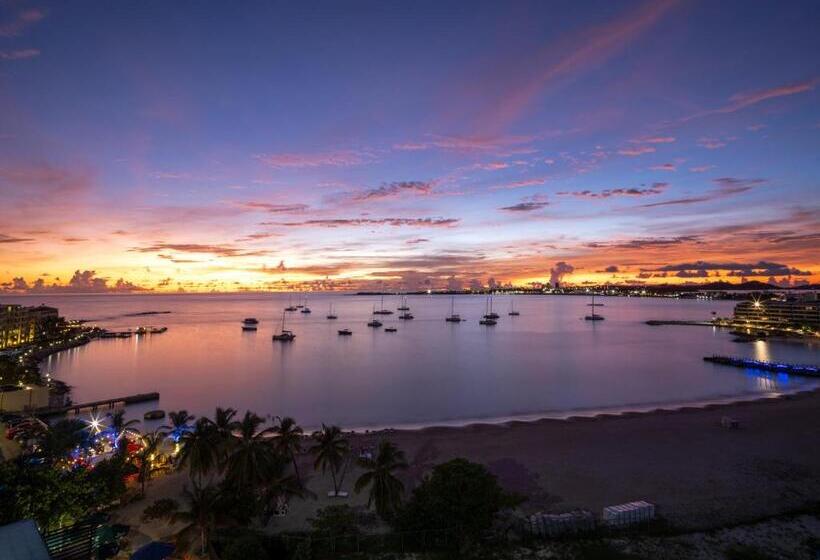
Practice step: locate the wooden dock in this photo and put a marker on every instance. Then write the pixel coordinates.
(94, 406)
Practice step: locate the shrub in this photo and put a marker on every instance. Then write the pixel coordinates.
(160, 509)
(458, 495)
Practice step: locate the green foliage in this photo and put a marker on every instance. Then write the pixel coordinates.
(54, 497)
(162, 508)
(459, 495)
(385, 489)
(334, 521)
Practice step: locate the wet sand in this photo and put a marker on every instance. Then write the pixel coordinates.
(698, 473)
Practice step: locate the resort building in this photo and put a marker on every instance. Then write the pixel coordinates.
(795, 313)
(20, 325)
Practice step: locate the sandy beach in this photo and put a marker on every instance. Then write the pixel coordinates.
(699, 474)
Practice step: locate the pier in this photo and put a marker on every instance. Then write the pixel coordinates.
(794, 369)
(94, 406)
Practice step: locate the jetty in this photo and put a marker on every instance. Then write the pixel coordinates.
(94, 406)
(655, 323)
(775, 367)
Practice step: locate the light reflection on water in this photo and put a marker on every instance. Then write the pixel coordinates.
(547, 360)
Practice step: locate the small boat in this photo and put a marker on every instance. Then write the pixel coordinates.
(154, 415)
(488, 322)
(382, 310)
(330, 314)
(305, 308)
(513, 312)
(285, 335)
(454, 317)
(345, 332)
(594, 316)
(490, 314)
(406, 316)
(390, 329)
(251, 321)
(403, 306)
(375, 323)
(248, 327)
(290, 306)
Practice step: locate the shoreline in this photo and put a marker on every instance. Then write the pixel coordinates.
(585, 414)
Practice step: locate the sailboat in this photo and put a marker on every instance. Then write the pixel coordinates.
(403, 306)
(490, 313)
(382, 310)
(305, 308)
(290, 306)
(454, 317)
(488, 318)
(594, 316)
(330, 314)
(513, 312)
(285, 335)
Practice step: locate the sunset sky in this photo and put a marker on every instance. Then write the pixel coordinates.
(258, 145)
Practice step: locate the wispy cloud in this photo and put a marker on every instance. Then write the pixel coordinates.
(197, 248)
(11, 239)
(636, 151)
(529, 204)
(664, 167)
(656, 188)
(743, 100)
(521, 184)
(340, 158)
(726, 186)
(393, 190)
(20, 22)
(19, 54)
(273, 208)
(498, 144)
(358, 222)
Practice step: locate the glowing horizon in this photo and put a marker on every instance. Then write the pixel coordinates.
(374, 146)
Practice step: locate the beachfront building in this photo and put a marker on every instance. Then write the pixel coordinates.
(794, 313)
(21, 325)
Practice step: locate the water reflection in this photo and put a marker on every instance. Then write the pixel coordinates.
(548, 359)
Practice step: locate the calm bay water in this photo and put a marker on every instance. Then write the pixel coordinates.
(547, 361)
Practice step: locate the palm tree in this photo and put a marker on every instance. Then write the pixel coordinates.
(224, 426)
(61, 437)
(180, 424)
(119, 426)
(253, 459)
(385, 488)
(204, 512)
(288, 441)
(331, 449)
(150, 444)
(199, 449)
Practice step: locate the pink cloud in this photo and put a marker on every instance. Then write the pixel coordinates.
(664, 167)
(470, 144)
(22, 21)
(654, 140)
(20, 54)
(521, 184)
(636, 151)
(580, 53)
(340, 158)
(656, 188)
(743, 100)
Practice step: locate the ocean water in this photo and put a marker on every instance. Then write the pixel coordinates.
(546, 362)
